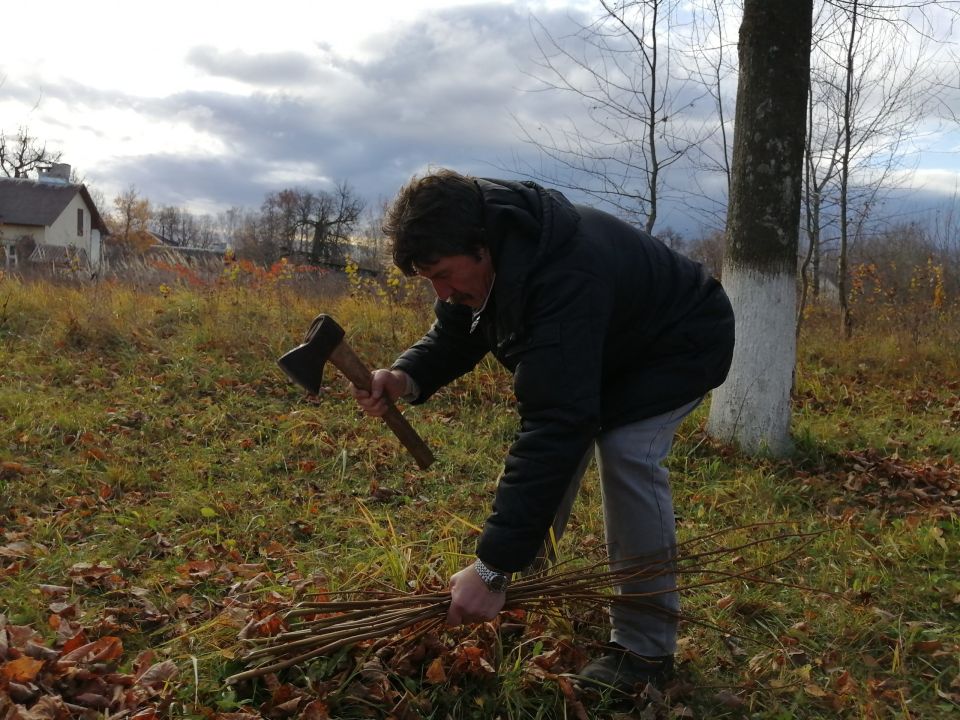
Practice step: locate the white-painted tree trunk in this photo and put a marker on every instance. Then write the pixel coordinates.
(752, 408)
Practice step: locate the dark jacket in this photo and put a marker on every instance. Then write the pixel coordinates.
(600, 324)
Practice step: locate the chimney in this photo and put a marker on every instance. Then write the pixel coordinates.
(55, 174)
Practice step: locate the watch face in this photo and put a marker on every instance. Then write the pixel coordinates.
(495, 582)
(498, 583)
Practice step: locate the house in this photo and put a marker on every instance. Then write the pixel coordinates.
(50, 220)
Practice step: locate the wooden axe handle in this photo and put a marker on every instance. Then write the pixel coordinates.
(356, 372)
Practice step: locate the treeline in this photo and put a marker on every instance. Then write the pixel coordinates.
(313, 226)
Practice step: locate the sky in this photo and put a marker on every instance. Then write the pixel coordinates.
(208, 105)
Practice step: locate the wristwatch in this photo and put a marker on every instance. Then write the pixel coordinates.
(494, 580)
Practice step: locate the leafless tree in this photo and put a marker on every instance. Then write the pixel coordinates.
(332, 220)
(294, 221)
(623, 70)
(710, 58)
(165, 220)
(23, 153)
(874, 79)
(230, 225)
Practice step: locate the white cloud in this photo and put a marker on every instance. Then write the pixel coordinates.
(210, 105)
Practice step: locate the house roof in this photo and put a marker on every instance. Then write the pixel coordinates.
(28, 202)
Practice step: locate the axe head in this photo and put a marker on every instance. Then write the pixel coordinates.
(304, 364)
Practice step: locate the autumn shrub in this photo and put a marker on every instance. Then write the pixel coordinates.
(910, 303)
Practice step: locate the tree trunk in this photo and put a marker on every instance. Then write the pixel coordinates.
(846, 318)
(763, 223)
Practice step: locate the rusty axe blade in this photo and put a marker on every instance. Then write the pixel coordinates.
(325, 341)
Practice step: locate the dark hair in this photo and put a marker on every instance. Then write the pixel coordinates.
(433, 217)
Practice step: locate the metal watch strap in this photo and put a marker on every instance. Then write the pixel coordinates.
(495, 581)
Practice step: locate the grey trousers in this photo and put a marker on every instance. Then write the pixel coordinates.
(639, 524)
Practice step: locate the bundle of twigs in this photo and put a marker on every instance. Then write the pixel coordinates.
(320, 628)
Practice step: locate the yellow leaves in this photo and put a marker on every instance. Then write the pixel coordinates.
(814, 690)
(936, 534)
(435, 673)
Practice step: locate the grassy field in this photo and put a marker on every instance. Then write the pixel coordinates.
(164, 487)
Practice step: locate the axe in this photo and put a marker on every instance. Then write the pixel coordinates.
(325, 341)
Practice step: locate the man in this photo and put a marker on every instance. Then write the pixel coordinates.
(612, 339)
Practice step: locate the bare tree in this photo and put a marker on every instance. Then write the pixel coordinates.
(230, 224)
(710, 57)
(620, 66)
(333, 219)
(874, 77)
(164, 222)
(294, 221)
(753, 406)
(23, 153)
(876, 74)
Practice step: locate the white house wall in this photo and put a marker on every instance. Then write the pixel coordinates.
(63, 232)
(12, 233)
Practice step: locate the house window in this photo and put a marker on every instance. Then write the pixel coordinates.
(79, 222)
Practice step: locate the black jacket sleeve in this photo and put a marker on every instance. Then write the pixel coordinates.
(446, 352)
(557, 381)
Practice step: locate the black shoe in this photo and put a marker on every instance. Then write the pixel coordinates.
(626, 671)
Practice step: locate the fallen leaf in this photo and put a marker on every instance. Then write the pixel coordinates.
(63, 610)
(729, 700)
(73, 643)
(844, 683)
(158, 674)
(106, 648)
(149, 713)
(10, 469)
(92, 700)
(48, 707)
(90, 572)
(16, 550)
(566, 687)
(21, 670)
(53, 590)
(197, 568)
(316, 710)
(435, 673)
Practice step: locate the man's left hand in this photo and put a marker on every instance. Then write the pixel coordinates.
(470, 600)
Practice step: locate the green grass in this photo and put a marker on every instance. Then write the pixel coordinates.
(150, 432)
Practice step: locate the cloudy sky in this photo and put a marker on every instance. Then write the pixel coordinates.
(208, 105)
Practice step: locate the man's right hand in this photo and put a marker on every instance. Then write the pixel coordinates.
(383, 384)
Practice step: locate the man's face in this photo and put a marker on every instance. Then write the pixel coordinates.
(461, 279)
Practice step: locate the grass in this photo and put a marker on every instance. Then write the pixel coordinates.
(159, 467)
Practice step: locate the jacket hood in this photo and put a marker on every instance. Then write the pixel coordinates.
(526, 225)
(522, 212)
